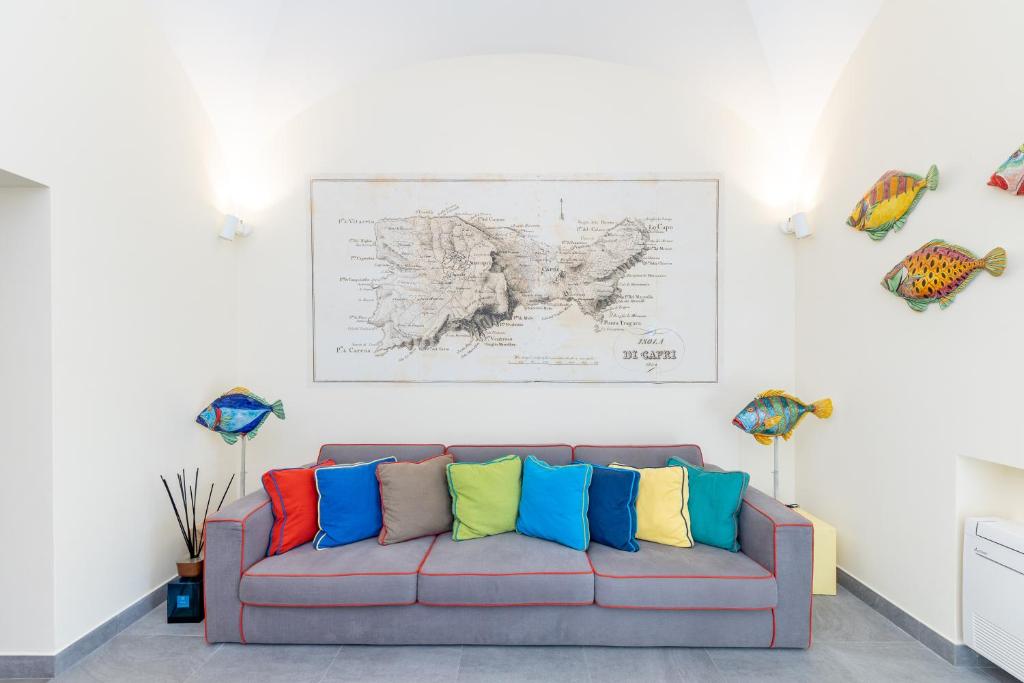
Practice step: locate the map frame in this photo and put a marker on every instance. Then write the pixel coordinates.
(711, 178)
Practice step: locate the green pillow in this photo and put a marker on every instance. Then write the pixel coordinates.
(715, 499)
(485, 496)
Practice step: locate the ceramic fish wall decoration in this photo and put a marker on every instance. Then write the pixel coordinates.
(889, 202)
(238, 412)
(938, 271)
(776, 413)
(1010, 176)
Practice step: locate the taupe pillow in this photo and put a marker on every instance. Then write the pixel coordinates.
(414, 499)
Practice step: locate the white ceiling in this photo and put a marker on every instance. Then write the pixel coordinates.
(257, 63)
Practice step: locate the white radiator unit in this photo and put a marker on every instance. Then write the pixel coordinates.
(993, 592)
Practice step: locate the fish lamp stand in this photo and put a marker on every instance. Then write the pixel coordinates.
(241, 480)
(775, 466)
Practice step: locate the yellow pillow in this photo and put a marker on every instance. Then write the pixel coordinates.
(662, 505)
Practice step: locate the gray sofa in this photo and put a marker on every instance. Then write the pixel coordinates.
(511, 589)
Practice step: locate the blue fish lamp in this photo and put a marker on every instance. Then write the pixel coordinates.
(774, 413)
(238, 414)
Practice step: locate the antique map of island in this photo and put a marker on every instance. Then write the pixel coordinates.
(514, 279)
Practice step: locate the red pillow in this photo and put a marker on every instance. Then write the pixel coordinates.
(293, 497)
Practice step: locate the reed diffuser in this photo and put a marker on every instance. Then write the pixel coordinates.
(192, 530)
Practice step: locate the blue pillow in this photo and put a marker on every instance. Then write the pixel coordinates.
(612, 511)
(348, 503)
(553, 503)
(715, 499)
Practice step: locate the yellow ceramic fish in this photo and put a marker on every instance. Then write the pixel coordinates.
(887, 205)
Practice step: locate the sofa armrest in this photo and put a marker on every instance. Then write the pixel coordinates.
(236, 538)
(781, 541)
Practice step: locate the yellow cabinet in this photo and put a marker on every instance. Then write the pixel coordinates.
(824, 554)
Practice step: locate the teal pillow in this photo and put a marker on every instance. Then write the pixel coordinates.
(554, 503)
(715, 499)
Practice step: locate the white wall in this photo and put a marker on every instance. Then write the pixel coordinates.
(912, 391)
(26, 455)
(152, 314)
(95, 107)
(518, 114)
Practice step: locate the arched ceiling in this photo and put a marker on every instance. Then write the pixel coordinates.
(257, 63)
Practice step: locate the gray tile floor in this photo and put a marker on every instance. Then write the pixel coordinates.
(852, 642)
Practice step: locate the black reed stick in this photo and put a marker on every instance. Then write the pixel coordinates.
(184, 504)
(176, 515)
(226, 489)
(181, 492)
(184, 508)
(194, 490)
(202, 532)
(192, 533)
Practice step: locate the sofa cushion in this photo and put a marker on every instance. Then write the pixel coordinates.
(554, 502)
(612, 510)
(503, 570)
(715, 499)
(361, 573)
(662, 512)
(348, 507)
(485, 496)
(553, 454)
(638, 456)
(362, 452)
(663, 577)
(414, 499)
(293, 498)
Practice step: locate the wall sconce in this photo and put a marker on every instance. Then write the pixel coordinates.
(233, 226)
(797, 225)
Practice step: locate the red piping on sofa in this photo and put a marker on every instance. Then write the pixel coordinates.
(351, 604)
(206, 636)
(419, 567)
(681, 576)
(506, 604)
(448, 449)
(672, 576)
(503, 573)
(241, 567)
(810, 617)
(775, 559)
(687, 609)
(326, 576)
(321, 605)
(343, 574)
(323, 446)
(674, 445)
(424, 562)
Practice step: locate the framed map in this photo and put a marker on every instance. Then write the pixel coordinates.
(492, 279)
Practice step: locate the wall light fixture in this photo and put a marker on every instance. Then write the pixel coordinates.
(797, 225)
(234, 227)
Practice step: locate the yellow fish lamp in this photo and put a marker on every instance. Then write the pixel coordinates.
(774, 413)
(890, 201)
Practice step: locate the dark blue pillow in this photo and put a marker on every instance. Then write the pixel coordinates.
(348, 503)
(612, 512)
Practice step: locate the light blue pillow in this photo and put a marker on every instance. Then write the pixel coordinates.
(554, 502)
(715, 499)
(348, 503)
